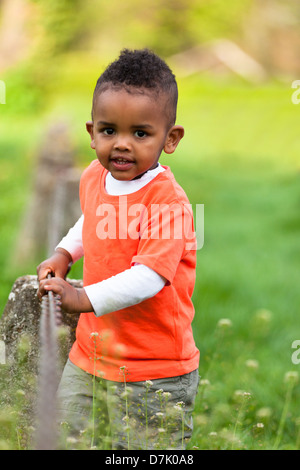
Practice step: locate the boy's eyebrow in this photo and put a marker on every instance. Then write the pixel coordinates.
(137, 126)
(104, 123)
(142, 126)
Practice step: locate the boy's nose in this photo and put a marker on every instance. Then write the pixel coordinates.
(122, 142)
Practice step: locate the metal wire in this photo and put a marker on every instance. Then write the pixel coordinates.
(46, 433)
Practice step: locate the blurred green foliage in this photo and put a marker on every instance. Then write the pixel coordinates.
(100, 29)
(239, 157)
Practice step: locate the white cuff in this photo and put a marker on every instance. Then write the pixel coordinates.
(72, 242)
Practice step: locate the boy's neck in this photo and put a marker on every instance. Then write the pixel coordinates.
(142, 174)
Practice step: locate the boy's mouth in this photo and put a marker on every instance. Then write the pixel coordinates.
(121, 163)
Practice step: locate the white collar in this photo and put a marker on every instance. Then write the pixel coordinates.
(116, 187)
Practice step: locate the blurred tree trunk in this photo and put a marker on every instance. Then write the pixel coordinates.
(272, 35)
(13, 35)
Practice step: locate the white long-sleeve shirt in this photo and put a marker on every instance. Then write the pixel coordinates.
(131, 286)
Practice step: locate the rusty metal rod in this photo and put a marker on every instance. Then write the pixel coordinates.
(46, 431)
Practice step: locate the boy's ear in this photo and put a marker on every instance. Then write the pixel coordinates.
(174, 136)
(90, 128)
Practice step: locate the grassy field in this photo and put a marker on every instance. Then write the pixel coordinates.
(239, 158)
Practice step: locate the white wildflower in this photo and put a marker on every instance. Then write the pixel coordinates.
(224, 323)
(291, 377)
(204, 382)
(252, 364)
(260, 425)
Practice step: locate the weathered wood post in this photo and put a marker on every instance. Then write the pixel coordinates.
(21, 352)
(54, 205)
(21, 317)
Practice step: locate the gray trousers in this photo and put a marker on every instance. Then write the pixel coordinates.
(102, 414)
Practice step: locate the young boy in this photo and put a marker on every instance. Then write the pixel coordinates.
(136, 235)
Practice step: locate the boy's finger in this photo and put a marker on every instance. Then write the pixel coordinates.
(53, 284)
(41, 291)
(43, 272)
(45, 286)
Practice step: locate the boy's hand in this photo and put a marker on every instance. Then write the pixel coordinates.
(72, 299)
(57, 264)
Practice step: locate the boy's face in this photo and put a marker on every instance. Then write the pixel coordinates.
(130, 130)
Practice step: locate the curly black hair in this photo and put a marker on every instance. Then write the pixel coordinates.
(141, 69)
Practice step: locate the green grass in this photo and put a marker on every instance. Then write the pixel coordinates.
(239, 158)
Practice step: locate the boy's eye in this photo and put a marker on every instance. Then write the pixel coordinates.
(140, 134)
(108, 131)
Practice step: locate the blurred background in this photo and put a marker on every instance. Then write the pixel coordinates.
(235, 62)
